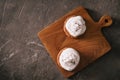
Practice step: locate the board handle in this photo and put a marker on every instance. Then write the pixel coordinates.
(105, 21)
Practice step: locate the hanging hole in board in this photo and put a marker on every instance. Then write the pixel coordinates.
(106, 20)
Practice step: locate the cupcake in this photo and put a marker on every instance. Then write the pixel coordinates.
(74, 26)
(68, 59)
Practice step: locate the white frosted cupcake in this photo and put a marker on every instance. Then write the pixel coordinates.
(74, 26)
(68, 59)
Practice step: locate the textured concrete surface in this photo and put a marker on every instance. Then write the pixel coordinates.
(23, 57)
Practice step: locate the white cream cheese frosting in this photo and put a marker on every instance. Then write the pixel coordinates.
(75, 26)
(69, 59)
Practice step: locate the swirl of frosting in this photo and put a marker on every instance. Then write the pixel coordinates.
(75, 26)
(69, 58)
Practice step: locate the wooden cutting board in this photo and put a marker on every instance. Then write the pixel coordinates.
(91, 45)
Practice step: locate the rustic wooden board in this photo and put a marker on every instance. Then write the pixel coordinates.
(91, 45)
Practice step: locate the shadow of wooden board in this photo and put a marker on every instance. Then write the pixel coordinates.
(91, 45)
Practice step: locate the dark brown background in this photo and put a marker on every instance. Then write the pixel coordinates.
(23, 57)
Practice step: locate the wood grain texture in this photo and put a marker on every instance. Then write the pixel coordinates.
(91, 45)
